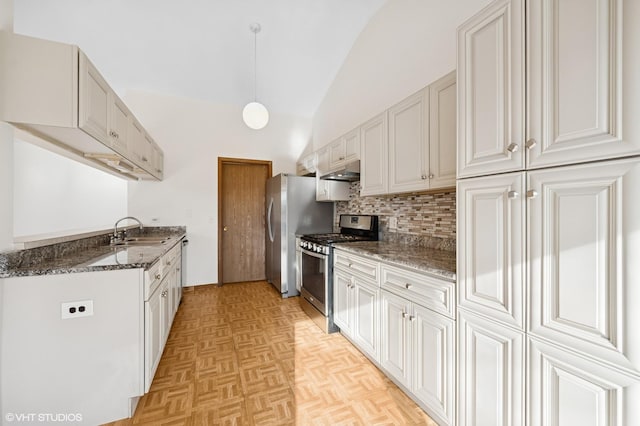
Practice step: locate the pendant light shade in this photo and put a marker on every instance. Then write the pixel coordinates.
(254, 114)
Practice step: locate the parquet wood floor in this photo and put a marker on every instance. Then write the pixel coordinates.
(241, 355)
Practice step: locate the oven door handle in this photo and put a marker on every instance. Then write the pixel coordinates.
(314, 254)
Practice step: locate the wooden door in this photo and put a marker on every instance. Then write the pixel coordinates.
(491, 90)
(241, 227)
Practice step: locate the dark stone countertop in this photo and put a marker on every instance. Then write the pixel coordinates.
(441, 263)
(89, 255)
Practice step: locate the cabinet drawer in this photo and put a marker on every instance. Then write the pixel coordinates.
(357, 265)
(152, 278)
(424, 290)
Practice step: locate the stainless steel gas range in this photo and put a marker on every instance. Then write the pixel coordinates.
(317, 266)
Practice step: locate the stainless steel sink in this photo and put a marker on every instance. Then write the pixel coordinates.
(140, 241)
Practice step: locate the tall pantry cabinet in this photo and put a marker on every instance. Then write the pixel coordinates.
(549, 213)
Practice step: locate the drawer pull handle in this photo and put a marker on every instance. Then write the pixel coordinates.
(407, 286)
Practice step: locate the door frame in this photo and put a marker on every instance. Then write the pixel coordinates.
(221, 162)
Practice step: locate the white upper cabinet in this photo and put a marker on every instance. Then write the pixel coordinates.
(442, 132)
(580, 60)
(576, 81)
(52, 92)
(491, 90)
(409, 144)
(584, 222)
(94, 100)
(344, 150)
(374, 142)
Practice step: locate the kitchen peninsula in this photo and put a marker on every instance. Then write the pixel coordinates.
(85, 321)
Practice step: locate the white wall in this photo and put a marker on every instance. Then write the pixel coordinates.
(53, 193)
(406, 45)
(6, 152)
(6, 174)
(193, 134)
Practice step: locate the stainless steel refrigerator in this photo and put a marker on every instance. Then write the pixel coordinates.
(291, 209)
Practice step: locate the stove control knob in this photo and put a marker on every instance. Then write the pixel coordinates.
(326, 250)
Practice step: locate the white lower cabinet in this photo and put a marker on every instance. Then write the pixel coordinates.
(417, 350)
(491, 379)
(356, 310)
(163, 291)
(569, 389)
(155, 314)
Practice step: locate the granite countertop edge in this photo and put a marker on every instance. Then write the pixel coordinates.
(73, 264)
(441, 263)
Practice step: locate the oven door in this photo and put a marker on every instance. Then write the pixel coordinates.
(315, 275)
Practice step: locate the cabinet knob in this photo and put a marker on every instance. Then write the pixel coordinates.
(158, 276)
(144, 159)
(168, 262)
(532, 193)
(350, 264)
(431, 176)
(341, 158)
(530, 143)
(225, 229)
(412, 318)
(407, 286)
(164, 293)
(513, 194)
(404, 314)
(424, 177)
(513, 147)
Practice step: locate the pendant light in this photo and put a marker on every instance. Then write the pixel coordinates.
(254, 114)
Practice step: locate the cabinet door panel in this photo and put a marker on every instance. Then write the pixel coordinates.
(575, 106)
(571, 390)
(337, 154)
(434, 363)
(491, 247)
(119, 127)
(153, 336)
(366, 318)
(352, 145)
(409, 144)
(491, 90)
(94, 98)
(583, 249)
(490, 373)
(395, 354)
(374, 151)
(442, 132)
(342, 302)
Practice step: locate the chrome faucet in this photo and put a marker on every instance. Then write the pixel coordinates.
(115, 235)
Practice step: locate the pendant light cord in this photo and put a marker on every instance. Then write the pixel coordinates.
(255, 66)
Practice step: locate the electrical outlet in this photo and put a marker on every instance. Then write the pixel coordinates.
(82, 308)
(393, 222)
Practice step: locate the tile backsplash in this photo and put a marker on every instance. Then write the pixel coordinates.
(423, 219)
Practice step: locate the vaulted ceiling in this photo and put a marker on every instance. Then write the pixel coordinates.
(203, 49)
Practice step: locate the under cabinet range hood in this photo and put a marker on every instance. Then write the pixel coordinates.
(349, 173)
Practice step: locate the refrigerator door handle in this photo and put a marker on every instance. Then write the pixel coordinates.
(269, 212)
